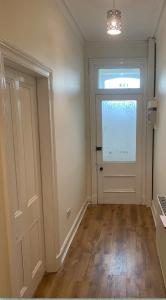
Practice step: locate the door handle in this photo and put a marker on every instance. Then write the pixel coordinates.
(101, 169)
(99, 148)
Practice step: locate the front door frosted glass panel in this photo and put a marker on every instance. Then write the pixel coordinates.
(119, 78)
(119, 128)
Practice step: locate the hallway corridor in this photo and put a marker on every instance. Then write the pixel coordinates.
(113, 255)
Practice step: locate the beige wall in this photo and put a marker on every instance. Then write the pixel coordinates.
(117, 49)
(160, 133)
(39, 28)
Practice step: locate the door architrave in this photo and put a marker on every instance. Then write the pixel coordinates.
(17, 59)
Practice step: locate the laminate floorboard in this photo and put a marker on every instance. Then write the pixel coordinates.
(113, 255)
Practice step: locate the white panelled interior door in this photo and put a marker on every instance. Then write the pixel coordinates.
(25, 182)
(119, 148)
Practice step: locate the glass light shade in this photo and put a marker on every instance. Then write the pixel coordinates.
(114, 23)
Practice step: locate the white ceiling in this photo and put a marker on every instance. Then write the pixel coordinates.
(139, 17)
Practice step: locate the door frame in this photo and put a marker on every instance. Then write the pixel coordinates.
(94, 65)
(14, 58)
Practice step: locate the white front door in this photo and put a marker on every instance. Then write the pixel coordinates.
(25, 183)
(119, 148)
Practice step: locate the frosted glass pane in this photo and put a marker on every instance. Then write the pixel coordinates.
(119, 126)
(119, 78)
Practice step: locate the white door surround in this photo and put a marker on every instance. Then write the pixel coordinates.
(147, 83)
(11, 57)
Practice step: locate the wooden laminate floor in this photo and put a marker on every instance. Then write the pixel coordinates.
(113, 255)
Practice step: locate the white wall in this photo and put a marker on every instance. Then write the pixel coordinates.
(160, 133)
(39, 28)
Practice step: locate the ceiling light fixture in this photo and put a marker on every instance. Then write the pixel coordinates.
(114, 21)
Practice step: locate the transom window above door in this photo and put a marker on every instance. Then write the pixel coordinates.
(119, 78)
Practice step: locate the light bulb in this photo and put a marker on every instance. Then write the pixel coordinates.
(113, 23)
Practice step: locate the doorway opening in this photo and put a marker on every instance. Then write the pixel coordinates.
(16, 90)
(118, 131)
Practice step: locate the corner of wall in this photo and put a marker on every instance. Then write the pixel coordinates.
(67, 14)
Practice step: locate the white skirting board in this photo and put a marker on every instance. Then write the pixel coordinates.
(154, 212)
(66, 245)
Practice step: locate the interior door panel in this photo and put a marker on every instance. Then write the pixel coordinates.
(26, 201)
